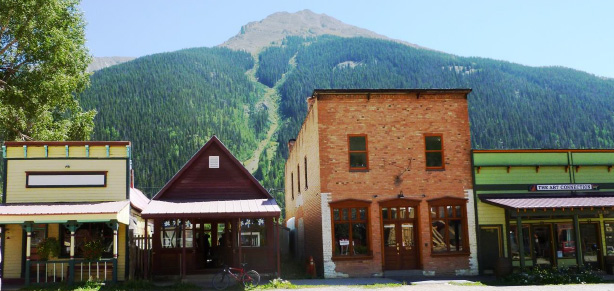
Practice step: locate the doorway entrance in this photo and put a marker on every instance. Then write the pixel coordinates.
(490, 248)
(542, 245)
(591, 250)
(399, 235)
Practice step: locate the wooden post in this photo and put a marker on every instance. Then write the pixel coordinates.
(183, 255)
(72, 227)
(239, 242)
(146, 252)
(28, 229)
(576, 226)
(520, 241)
(115, 227)
(277, 243)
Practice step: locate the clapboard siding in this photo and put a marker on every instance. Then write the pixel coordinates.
(18, 193)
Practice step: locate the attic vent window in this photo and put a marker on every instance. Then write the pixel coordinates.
(214, 162)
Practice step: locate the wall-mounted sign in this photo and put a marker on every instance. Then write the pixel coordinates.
(564, 187)
(65, 179)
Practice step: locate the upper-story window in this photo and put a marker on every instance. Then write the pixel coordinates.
(306, 174)
(292, 185)
(434, 151)
(298, 179)
(358, 152)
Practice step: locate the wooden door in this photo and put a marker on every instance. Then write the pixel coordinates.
(399, 238)
(490, 248)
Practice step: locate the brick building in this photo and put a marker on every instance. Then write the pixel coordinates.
(380, 180)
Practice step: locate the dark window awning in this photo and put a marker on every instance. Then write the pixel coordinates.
(551, 202)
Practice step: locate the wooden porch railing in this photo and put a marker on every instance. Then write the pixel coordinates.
(70, 271)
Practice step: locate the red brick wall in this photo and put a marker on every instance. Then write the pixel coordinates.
(395, 125)
(306, 205)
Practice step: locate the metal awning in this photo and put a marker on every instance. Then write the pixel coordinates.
(212, 209)
(551, 202)
(62, 212)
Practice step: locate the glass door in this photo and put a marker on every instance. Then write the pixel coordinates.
(591, 250)
(542, 245)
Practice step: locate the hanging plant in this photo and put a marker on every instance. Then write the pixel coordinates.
(49, 247)
(92, 250)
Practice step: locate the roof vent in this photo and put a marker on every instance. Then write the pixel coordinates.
(214, 162)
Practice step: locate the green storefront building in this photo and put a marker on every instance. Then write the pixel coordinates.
(544, 207)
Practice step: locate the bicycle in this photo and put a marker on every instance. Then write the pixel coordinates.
(249, 279)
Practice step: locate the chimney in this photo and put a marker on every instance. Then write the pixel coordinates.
(291, 144)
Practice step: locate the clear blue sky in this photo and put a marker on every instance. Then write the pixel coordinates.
(575, 34)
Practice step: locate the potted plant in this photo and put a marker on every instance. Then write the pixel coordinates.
(49, 247)
(92, 250)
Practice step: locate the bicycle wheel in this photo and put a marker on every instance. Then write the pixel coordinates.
(221, 281)
(250, 279)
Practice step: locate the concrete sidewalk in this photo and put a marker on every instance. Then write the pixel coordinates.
(414, 280)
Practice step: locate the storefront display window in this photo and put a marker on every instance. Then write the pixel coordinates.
(526, 239)
(351, 236)
(253, 232)
(566, 245)
(448, 229)
(609, 238)
(171, 234)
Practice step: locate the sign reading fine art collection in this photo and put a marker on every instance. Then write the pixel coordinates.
(564, 187)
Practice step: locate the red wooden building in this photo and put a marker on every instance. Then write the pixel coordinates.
(213, 212)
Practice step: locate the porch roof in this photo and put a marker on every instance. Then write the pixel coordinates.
(551, 202)
(62, 212)
(211, 209)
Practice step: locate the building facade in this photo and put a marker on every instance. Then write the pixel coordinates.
(551, 208)
(77, 194)
(380, 180)
(213, 212)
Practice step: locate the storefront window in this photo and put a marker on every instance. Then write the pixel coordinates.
(350, 232)
(566, 244)
(526, 239)
(447, 223)
(171, 234)
(253, 232)
(609, 238)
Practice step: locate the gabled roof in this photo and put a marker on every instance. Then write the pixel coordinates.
(197, 181)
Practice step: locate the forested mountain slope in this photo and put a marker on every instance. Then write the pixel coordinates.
(169, 104)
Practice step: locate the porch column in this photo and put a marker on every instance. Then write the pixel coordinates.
(239, 241)
(233, 240)
(520, 241)
(28, 228)
(277, 246)
(146, 259)
(115, 227)
(72, 227)
(183, 255)
(576, 226)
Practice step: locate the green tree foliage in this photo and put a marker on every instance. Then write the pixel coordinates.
(170, 104)
(42, 64)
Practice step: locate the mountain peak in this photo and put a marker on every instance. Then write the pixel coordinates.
(275, 27)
